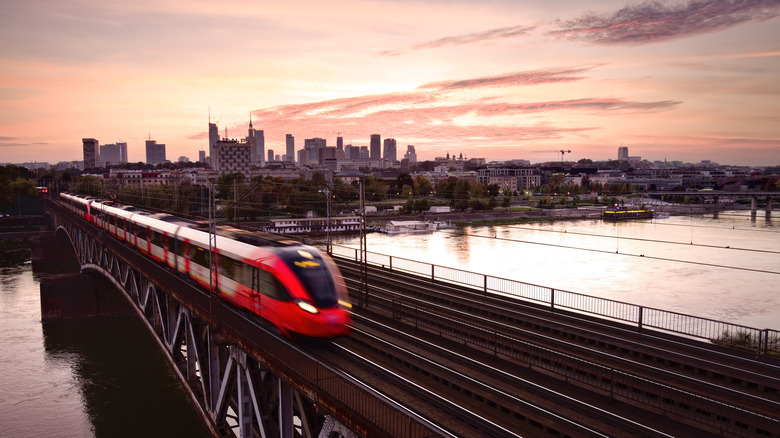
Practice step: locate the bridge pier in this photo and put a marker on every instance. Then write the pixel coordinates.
(69, 296)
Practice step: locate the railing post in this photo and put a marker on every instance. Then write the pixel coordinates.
(433, 274)
(639, 323)
(391, 263)
(552, 298)
(485, 283)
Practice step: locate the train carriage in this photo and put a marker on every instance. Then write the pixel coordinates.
(294, 286)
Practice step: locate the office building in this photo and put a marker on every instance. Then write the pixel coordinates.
(232, 156)
(91, 153)
(376, 147)
(155, 153)
(270, 155)
(213, 139)
(623, 153)
(389, 150)
(260, 147)
(290, 142)
(410, 154)
(113, 153)
(202, 156)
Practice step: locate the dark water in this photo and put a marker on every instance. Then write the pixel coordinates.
(101, 377)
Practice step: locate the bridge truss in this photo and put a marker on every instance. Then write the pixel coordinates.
(237, 387)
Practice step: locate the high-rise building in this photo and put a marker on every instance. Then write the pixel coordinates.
(91, 152)
(290, 142)
(623, 153)
(410, 154)
(231, 156)
(260, 146)
(251, 140)
(113, 153)
(376, 147)
(313, 146)
(270, 154)
(155, 153)
(213, 139)
(389, 149)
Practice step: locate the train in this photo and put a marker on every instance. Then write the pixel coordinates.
(295, 287)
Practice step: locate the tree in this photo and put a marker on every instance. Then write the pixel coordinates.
(422, 205)
(461, 194)
(422, 186)
(506, 202)
(406, 191)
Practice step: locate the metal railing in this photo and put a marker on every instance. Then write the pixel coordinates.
(761, 341)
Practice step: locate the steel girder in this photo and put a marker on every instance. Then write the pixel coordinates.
(234, 393)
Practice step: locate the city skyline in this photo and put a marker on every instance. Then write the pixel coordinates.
(685, 81)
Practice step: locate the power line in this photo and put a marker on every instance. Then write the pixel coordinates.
(763, 271)
(670, 242)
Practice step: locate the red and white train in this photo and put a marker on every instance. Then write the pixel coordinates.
(296, 287)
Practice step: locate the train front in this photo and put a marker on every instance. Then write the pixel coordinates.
(322, 309)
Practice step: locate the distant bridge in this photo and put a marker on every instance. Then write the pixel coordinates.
(717, 194)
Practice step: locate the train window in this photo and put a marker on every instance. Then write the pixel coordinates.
(201, 256)
(243, 274)
(271, 287)
(183, 249)
(316, 279)
(227, 267)
(158, 239)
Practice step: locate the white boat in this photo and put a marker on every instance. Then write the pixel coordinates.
(396, 227)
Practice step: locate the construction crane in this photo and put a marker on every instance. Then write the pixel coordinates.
(559, 151)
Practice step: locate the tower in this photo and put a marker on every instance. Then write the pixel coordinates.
(623, 153)
(376, 145)
(389, 149)
(91, 152)
(290, 142)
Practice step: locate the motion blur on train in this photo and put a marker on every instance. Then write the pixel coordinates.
(295, 287)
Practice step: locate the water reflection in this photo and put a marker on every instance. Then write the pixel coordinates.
(124, 382)
(724, 268)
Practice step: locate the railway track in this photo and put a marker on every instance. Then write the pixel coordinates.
(686, 382)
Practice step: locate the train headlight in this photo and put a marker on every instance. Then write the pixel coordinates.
(307, 307)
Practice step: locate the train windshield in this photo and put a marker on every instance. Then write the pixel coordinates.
(315, 276)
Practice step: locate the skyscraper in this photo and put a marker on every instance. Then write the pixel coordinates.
(260, 146)
(270, 154)
(155, 153)
(113, 153)
(213, 139)
(91, 152)
(290, 141)
(623, 153)
(410, 154)
(251, 140)
(376, 147)
(202, 156)
(389, 149)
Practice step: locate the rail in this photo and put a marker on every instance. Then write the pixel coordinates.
(760, 341)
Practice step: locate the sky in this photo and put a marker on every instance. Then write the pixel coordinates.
(686, 80)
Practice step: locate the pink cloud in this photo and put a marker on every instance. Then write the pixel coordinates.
(458, 40)
(654, 21)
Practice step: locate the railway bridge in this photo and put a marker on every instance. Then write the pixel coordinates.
(441, 352)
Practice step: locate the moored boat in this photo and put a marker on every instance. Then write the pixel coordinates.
(625, 214)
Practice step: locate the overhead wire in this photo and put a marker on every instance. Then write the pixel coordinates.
(764, 271)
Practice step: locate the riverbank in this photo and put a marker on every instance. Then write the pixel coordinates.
(528, 214)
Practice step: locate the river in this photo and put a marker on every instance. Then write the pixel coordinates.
(101, 377)
(725, 268)
(105, 377)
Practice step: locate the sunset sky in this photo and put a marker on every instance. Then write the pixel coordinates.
(495, 79)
